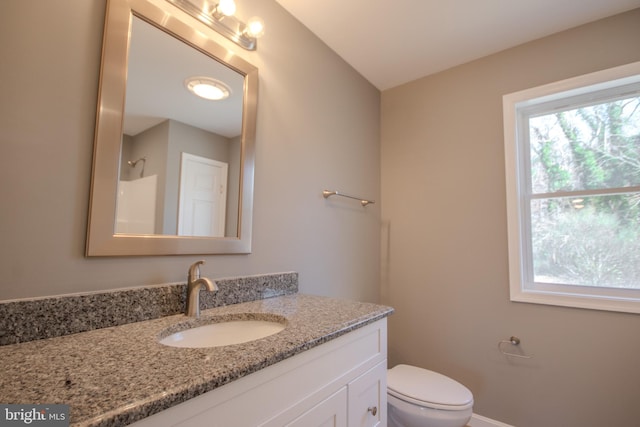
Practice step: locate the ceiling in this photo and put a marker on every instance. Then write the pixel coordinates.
(157, 69)
(394, 42)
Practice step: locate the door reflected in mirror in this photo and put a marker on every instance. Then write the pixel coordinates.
(172, 171)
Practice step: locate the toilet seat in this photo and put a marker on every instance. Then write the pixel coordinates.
(427, 388)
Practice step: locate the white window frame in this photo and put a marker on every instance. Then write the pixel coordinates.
(521, 283)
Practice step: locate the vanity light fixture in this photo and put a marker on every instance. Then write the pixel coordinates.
(207, 88)
(254, 27)
(220, 17)
(224, 8)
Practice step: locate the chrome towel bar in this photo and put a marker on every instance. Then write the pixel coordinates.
(328, 193)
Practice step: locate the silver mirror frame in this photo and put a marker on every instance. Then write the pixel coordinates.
(101, 237)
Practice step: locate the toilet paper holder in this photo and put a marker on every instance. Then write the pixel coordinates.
(511, 341)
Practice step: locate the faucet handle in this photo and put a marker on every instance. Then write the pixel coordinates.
(194, 270)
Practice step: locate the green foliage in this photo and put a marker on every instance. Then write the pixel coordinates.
(588, 148)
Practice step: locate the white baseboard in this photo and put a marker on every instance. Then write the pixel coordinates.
(480, 421)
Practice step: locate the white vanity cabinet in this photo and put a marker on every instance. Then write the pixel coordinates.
(355, 405)
(339, 383)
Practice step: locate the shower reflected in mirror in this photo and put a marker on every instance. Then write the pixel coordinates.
(133, 164)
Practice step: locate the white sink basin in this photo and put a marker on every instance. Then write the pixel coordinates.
(223, 333)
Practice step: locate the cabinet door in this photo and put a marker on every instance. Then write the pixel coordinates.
(368, 398)
(331, 412)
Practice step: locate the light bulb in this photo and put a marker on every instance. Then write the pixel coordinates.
(208, 92)
(226, 7)
(255, 27)
(208, 88)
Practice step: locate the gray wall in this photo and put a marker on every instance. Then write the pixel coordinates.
(444, 240)
(318, 127)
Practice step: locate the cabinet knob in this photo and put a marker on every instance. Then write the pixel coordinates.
(373, 410)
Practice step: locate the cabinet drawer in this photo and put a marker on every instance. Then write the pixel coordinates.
(331, 412)
(368, 398)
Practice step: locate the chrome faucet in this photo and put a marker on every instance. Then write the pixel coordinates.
(194, 284)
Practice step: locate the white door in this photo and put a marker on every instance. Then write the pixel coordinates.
(203, 196)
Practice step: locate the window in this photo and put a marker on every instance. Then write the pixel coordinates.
(572, 158)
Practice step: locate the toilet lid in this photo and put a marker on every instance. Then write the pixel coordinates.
(427, 387)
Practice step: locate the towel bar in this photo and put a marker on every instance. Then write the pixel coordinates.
(328, 193)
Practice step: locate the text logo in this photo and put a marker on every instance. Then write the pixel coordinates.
(34, 415)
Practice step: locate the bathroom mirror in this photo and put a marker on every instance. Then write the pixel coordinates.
(172, 172)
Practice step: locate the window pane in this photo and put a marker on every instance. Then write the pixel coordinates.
(586, 148)
(589, 241)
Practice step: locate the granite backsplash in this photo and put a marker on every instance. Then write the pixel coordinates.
(38, 318)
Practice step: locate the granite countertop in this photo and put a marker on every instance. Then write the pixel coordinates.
(118, 375)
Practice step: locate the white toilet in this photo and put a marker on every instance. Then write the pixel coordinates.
(420, 398)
